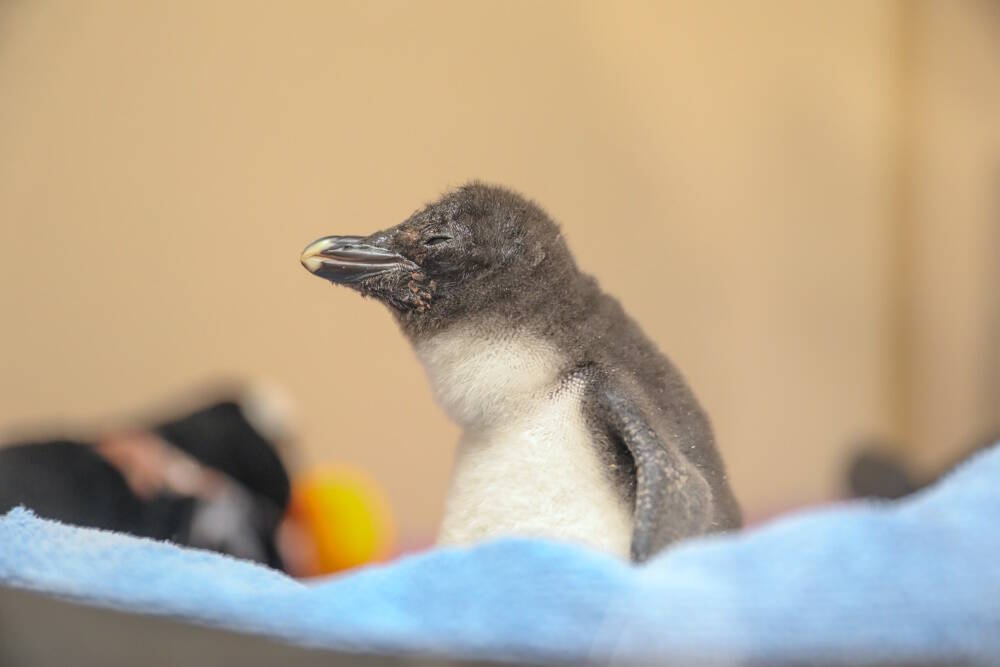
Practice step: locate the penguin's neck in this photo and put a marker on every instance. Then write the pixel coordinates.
(527, 464)
(481, 374)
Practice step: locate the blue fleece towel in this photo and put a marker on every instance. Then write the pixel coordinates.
(917, 580)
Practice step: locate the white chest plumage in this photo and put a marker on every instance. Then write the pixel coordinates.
(526, 463)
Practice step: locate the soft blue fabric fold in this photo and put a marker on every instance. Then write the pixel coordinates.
(912, 581)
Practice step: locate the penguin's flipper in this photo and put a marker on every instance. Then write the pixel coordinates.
(673, 500)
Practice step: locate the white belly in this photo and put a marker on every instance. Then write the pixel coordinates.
(536, 476)
(526, 465)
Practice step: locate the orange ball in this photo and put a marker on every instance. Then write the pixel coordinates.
(345, 518)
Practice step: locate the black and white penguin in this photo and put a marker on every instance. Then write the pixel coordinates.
(211, 479)
(574, 426)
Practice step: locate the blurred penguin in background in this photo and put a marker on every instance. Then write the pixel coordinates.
(211, 478)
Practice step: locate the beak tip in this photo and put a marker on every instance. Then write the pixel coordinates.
(312, 254)
(311, 262)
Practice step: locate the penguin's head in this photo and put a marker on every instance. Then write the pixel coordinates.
(475, 248)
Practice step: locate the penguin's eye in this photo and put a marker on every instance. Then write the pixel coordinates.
(437, 240)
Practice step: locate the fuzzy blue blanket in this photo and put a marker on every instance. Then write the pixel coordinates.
(913, 581)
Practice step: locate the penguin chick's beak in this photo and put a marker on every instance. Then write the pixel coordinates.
(349, 259)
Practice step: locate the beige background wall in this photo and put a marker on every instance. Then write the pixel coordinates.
(744, 176)
(953, 301)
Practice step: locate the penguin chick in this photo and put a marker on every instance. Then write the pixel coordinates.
(574, 426)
